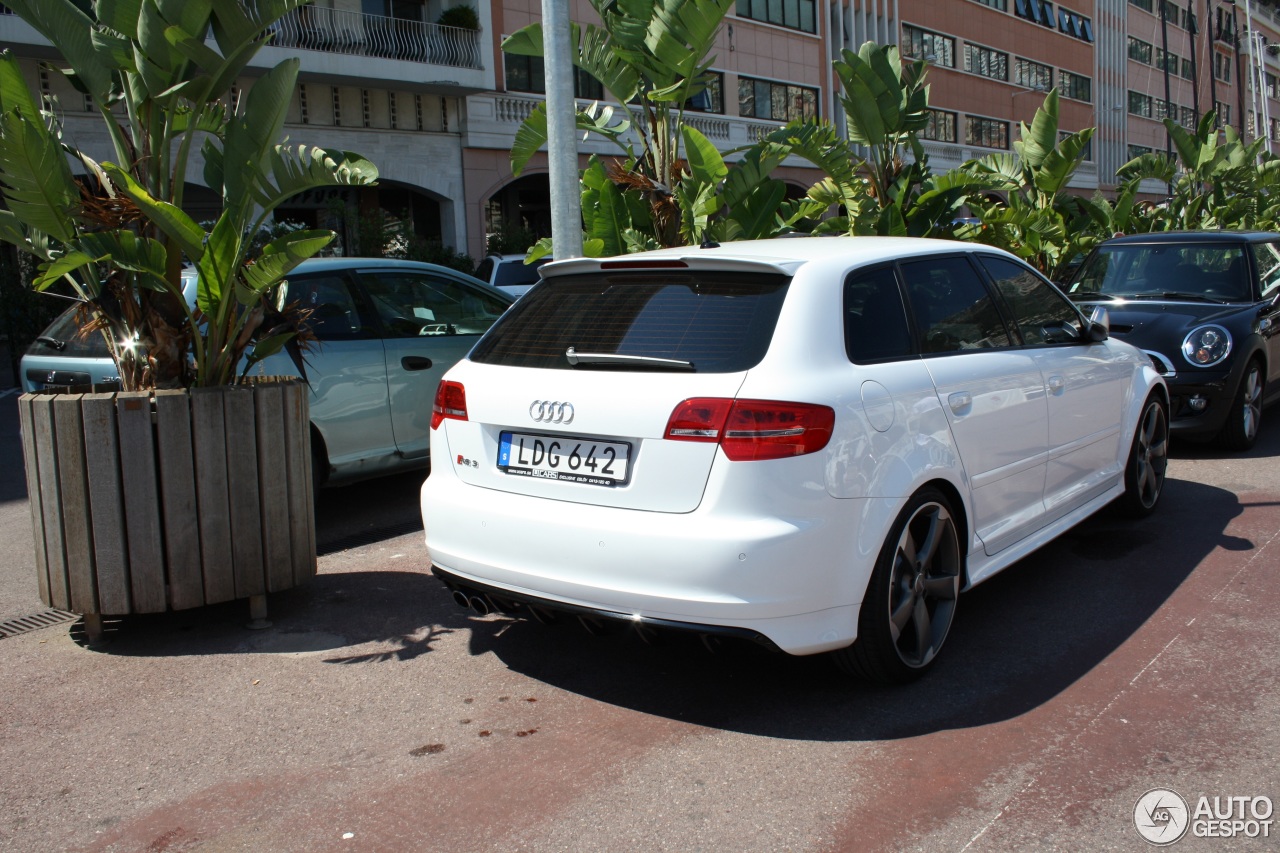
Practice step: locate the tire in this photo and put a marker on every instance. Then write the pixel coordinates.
(1240, 432)
(1144, 472)
(317, 471)
(914, 586)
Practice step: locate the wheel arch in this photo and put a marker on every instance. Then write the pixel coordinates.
(320, 453)
(961, 509)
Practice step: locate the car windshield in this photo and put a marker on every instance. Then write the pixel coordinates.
(1195, 272)
(705, 322)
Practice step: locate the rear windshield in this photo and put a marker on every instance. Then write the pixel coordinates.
(517, 272)
(706, 322)
(63, 337)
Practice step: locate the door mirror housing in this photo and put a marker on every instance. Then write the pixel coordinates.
(1099, 325)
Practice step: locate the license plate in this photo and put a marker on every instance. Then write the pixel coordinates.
(565, 457)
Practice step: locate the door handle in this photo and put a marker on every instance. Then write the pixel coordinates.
(959, 401)
(1056, 384)
(415, 362)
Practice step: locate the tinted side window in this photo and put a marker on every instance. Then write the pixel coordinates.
(952, 307)
(1267, 257)
(1042, 315)
(414, 303)
(875, 321)
(334, 312)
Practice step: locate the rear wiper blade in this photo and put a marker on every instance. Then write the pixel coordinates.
(52, 342)
(1090, 295)
(611, 359)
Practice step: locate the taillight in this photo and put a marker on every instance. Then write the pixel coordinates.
(753, 429)
(451, 402)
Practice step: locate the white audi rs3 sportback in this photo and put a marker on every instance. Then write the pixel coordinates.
(812, 443)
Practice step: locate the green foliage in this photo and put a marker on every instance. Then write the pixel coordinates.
(120, 238)
(461, 16)
(510, 241)
(650, 53)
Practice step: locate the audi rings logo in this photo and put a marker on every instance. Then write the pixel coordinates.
(551, 412)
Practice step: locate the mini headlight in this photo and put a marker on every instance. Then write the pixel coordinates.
(1206, 346)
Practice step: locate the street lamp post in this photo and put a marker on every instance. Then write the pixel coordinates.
(1036, 89)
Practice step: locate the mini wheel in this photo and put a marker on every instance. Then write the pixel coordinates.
(1240, 432)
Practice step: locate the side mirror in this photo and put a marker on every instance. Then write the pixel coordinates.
(1099, 325)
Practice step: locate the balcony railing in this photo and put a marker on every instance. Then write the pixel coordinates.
(358, 34)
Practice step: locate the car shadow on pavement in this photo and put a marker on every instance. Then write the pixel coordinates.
(1019, 640)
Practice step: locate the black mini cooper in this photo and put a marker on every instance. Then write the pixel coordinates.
(1204, 305)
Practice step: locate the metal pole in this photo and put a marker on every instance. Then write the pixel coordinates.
(1255, 73)
(1235, 43)
(1211, 55)
(562, 151)
(1195, 68)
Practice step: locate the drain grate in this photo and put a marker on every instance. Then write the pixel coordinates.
(47, 619)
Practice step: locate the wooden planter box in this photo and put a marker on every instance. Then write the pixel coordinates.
(143, 503)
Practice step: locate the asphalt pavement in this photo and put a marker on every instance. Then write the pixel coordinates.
(374, 715)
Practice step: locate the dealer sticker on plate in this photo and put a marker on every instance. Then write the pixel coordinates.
(565, 458)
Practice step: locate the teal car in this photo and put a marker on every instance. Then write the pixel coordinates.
(387, 331)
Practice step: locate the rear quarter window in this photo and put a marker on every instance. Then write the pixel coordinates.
(875, 319)
(720, 322)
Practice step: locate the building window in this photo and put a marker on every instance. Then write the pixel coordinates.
(1139, 51)
(1032, 75)
(922, 44)
(1223, 29)
(1075, 25)
(1187, 117)
(1177, 15)
(1002, 5)
(986, 132)
(526, 74)
(1136, 151)
(365, 111)
(710, 99)
(337, 106)
(775, 101)
(1271, 85)
(419, 119)
(1076, 86)
(987, 62)
(941, 126)
(1140, 104)
(1222, 67)
(1166, 61)
(302, 104)
(1223, 112)
(1147, 5)
(794, 14)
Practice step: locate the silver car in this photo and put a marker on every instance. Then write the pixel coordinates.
(387, 330)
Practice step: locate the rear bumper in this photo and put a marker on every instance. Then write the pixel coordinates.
(798, 582)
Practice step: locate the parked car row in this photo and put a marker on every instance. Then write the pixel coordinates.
(813, 444)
